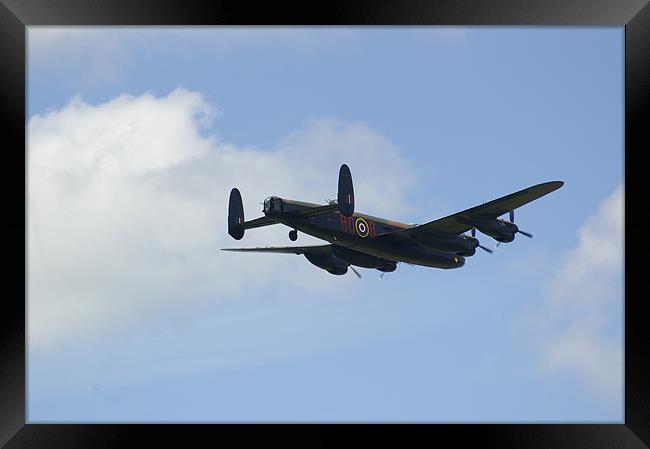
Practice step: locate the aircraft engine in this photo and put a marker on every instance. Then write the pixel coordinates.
(329, 263)
(461, 245)
(499, 230)
(389, 266)
(363, 260)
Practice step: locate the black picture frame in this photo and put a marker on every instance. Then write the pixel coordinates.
(16, 15)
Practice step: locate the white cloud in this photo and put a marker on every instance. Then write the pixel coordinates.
(580, 321)
(127, 205)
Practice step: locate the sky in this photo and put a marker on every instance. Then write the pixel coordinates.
(137, 135)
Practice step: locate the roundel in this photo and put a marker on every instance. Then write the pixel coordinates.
(361, 226)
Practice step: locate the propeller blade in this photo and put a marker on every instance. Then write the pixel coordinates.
(381, 276)
(512, 216)
(473, 232)
(498, 243)
(525, 233)
(486, 249)
(355, 272)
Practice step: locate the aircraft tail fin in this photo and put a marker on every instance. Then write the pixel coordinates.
(235, 215)
(345, 197)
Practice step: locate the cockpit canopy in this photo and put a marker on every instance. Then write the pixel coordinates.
(272, 205)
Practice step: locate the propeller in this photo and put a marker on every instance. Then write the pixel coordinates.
(484, 248)
(512, 220)
(355, 272)
(381, 276)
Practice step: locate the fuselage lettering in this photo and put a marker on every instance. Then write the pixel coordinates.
(344, 223)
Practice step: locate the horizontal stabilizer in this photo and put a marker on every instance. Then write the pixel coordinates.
(258, 223)
(236, 223)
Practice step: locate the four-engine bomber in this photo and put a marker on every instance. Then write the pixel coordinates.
(362, 240)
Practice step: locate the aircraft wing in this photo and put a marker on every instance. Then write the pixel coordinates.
(460, 222)
(320, 249)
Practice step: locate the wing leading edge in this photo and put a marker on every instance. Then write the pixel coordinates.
(320, 249)
(459, 222)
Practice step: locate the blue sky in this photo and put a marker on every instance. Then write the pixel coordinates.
(136, 136)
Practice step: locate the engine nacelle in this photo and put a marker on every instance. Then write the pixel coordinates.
(338, 271)
(462, 245)
(389, 266)
(363, 260)
(499, 230)
(329, 263)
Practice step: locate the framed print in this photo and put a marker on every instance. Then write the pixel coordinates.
(141, 139)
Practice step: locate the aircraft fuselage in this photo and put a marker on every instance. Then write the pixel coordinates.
(359, 232)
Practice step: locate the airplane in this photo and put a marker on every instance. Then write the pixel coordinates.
(362, 240)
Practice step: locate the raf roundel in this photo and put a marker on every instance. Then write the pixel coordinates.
(361, 227)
